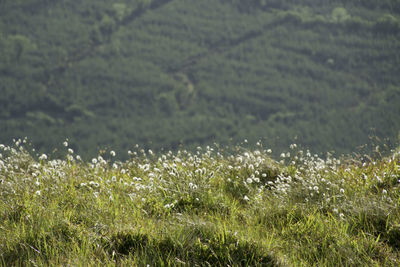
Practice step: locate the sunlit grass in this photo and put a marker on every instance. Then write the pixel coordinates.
(198, 208)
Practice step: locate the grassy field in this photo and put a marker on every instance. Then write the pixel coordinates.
(210, 207)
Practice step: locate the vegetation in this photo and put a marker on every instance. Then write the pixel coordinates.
(202, 208)
(167, 72)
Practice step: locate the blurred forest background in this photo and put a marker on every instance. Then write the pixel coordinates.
(161, 73)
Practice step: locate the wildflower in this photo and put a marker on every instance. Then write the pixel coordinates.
(37, 193)
(192, 186)
(269, 151)
(341, 190)
(92, 183)
(65, 143)
(384, 192)
(246, 198)
(43, 157)
(70, 151)
(78, 157)
(112, 153)
(114, 179)
(94, 160)
(169, 206)
(249, 180)
(283, 155)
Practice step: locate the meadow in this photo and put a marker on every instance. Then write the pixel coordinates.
(213, 206)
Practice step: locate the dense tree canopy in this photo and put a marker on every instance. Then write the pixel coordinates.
(110, 74)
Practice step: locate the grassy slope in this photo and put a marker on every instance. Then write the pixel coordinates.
(202, 208)
(194, 72)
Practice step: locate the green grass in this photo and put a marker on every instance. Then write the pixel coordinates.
(204, 208)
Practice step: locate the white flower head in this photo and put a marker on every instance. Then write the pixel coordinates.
(112, 153)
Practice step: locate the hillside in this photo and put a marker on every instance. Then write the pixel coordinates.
(162, 73)
(206, 208)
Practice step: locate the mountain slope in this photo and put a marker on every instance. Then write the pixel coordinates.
(164, 73)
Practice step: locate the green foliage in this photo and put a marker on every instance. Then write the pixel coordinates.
(166, 73)
(340, 15)
(387, 24)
